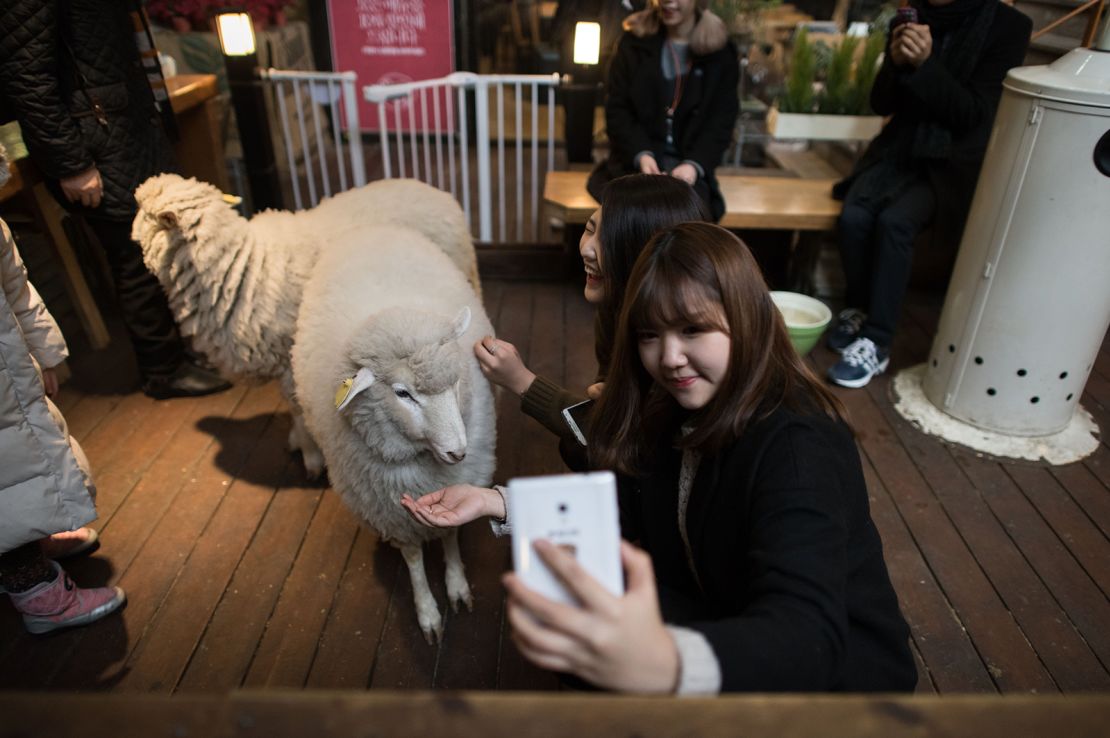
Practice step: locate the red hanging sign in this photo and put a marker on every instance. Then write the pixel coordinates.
(394, 41)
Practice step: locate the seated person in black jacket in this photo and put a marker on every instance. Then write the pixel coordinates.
(671, 100)
(940, 81)
(743, 485)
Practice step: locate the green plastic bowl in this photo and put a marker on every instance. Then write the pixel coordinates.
(806, 318)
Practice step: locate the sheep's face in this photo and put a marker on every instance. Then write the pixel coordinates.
(171, 214)
(413, 387)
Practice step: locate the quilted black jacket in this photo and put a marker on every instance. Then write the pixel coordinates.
(56, 58)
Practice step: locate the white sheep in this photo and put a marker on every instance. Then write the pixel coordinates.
(234, 285)
(391, 390)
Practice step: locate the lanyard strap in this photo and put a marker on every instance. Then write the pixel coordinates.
(679, 73)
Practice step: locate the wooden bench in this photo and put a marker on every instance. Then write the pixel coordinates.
(779, 203)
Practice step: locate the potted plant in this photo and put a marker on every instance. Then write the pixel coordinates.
(827, 92)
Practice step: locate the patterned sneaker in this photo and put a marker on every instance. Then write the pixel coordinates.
(61, 604)
(861, 361)
(849, 322)
(70, 543)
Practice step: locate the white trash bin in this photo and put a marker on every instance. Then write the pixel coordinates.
(1029, 302)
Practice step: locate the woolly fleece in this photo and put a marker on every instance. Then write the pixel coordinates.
(391, 308)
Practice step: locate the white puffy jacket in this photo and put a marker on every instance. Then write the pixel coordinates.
(44, 488)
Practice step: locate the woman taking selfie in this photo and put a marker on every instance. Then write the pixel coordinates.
(761, 569)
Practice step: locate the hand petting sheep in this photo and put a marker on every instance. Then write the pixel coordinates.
(234, 285)
(391, 390)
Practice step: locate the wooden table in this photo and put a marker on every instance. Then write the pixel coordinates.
(777, 203)
(200, 151)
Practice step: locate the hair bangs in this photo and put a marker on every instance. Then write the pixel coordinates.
(671, 296)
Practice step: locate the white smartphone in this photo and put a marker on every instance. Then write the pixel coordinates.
(577, 512)
(575, 417)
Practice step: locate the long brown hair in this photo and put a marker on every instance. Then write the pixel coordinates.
(633, 209)
(691, 274)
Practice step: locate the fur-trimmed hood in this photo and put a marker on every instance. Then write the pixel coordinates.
(709, 34)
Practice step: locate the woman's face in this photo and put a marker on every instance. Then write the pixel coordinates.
(676, 13)
(688, 360)
(589, 246)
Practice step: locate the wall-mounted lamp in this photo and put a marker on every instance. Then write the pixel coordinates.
(587, 42)
(580, 92)
(236, 32)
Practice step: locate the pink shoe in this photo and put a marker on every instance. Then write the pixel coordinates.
(70, 543)
(62, 604)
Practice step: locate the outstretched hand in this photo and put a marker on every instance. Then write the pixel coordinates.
(502, 365)
(453, 506)
(614, 642)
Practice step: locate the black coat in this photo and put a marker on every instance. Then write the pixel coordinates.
(792, 591)
(54, 56)
(636, 101)
(930, 93)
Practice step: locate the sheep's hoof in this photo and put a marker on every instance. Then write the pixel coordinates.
(463, 599)
(433, 632)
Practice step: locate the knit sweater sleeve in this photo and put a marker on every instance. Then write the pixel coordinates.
(544, 400)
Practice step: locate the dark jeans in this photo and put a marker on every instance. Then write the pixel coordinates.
(876, 248)
(146, 313)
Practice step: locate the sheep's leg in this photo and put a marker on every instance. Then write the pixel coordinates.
(427, 611)
(458, 591)
(301, 439)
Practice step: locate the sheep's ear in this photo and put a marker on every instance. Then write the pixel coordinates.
(167, 219)
(460, 324)
(351, 386)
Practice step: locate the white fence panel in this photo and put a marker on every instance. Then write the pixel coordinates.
(424, 132)
(307, 135)
(435, 149)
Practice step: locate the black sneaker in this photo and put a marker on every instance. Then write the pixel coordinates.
(188, 380)
(849, 323)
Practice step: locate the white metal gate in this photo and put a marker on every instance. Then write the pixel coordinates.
(309, 142)
(434, 145)
(425, 133)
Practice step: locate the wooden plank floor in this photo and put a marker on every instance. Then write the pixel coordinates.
(240, 572)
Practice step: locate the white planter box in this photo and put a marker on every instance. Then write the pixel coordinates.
(823, 127)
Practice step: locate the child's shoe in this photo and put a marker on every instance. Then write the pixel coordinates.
(62, 604)
(70, 543)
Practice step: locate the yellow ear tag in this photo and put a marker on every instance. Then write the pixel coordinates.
(343, 391)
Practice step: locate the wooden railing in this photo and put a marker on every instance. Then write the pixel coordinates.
(1095, 6)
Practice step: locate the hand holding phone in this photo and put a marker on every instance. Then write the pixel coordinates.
(576, 417)
(576, 512)
(905, 14)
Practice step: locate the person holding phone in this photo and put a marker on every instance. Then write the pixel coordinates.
(635, 207)
(760, 568)
(940, 84)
